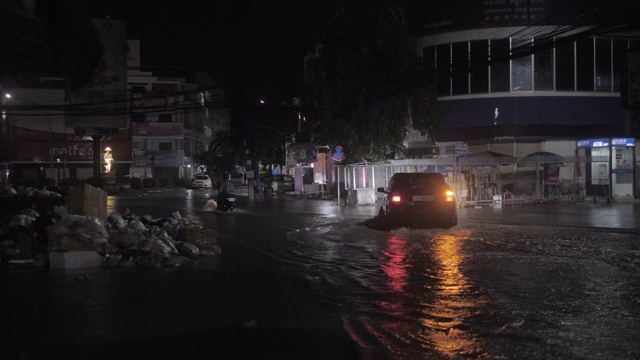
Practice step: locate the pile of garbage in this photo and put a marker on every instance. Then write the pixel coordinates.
(28, 191)
(123, 240)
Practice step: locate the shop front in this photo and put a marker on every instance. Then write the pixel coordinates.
(610, 167)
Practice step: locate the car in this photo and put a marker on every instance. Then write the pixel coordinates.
(416, 200)
(201, 181)
(278, 183)
(237, 178)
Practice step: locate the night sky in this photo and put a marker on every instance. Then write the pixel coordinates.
(260, 43)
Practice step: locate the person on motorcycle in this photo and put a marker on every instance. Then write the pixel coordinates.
(226, 188)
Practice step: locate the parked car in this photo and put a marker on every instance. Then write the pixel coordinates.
(416, 200)
(277, 183)
(201, 181)
(237, 178)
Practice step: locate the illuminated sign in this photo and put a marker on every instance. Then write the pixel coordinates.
(623, 142)
(600, 143)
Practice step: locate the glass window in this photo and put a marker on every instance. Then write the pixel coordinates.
(542, 68)
(479, 64)
(138, 117)
(521, 67)
(429, 58)
(460, 68)
(164, 118)
(499, 55)
(603, 65)
(619, 54)
(584, 65)
(565, 72)
(443, 69)
(165, 146)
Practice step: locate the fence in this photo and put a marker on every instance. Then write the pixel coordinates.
(489, 180)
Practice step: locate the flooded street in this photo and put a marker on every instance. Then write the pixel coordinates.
(479, 290)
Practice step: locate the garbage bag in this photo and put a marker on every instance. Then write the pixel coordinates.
(136, 225)
(187, 250)
(125, 240)
(154, 245)
(21, 220)
(90, 230)
(59, 211)
(116, 221)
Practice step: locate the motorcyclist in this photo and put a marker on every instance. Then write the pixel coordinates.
(226, 188)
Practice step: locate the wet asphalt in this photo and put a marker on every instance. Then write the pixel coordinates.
(237, 305)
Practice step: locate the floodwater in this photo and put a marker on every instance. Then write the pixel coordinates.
(480, 290)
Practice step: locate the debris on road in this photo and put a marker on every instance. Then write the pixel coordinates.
(90, 238)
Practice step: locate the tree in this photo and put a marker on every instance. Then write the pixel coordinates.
(366, 87)
(260, 128)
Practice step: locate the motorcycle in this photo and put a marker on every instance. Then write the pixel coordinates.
(228, 203)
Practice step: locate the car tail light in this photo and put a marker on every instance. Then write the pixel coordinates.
(396, 198)
(449, 195)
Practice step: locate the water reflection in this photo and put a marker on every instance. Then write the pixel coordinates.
(396, 265)
(454, 301)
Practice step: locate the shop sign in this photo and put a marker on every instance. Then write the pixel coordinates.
(592, 143)
(601, 143)
(456, 149)
(623, 142)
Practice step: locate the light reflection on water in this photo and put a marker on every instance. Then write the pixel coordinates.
(426, 301)
(454, 301)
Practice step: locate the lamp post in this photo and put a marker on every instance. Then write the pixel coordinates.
(4, 143)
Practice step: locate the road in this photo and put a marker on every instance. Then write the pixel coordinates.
(309, 279)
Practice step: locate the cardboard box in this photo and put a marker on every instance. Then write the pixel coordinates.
(88, 200)
(74, 259)
(68, 243)
(206, 240)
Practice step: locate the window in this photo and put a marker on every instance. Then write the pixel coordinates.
(542, 68)
(165, 146)
(499, 55)
(479, 66)
(164, 118)
(521, 66)
(460, 68)
(443, 69)
(603, 65)
(429, 58)
(187, 146)
(565, 73)
(619, 54)
(584, 65)
(138, 117)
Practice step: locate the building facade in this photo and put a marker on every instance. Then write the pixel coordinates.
(514, 78)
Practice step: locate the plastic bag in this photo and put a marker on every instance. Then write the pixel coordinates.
(21, 220)
(188, 250)
(116, 221)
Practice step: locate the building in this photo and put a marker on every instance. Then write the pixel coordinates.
(147, 123)
(517, 78)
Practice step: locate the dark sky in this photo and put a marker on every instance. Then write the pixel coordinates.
(256, 42)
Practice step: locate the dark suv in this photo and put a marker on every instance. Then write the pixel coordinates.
(417, 200)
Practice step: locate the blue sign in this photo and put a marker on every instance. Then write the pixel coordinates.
(338, 154)
(600, 143)
(623, 142)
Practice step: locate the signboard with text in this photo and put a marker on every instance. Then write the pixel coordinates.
(605, 142)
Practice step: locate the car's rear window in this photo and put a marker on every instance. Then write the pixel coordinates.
(202, 177)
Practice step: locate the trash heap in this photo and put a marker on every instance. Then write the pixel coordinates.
(60, 239)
